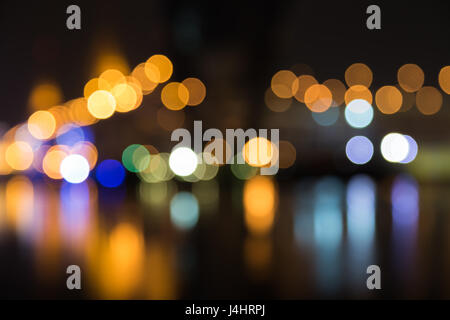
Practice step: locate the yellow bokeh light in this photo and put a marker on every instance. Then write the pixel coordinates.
(428, 100)
(337, 89)
(19, 155)
(444, 79)
(410, 77)
(388, 99)
(135, 85)
(318, 98)
(4, 166)
(146, 84)
(282, 83)
(197, 91)
(45, 95)
(110, 78)
(158, 68)
(62, 115)
(126, 97)
(358, 74)
(175, 96)
(301, 84)
(79, 112)
(42, 125)
(101, 104)
(259, 204)
(358, 92)
(52, 161)
(258, 152)
(93, 85)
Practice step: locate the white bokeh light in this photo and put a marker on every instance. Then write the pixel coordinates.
(74, 168)
(183, 161)
(358, 113)
(394, 147)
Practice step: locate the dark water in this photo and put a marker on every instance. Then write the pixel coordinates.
(323, 234)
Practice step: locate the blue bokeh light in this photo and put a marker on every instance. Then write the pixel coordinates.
(359, 150)
(110, 173)
(184, 210)
(413, 149)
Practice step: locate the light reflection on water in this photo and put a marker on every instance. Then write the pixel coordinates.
(124, 253)
(361, 199)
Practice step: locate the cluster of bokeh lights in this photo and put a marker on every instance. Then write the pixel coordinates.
(324, 99)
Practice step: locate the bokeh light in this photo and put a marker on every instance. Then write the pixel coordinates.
(388, 99)
(158, 170)
(358, 92)
(412, 151)
(410, 77)
(183, 161)
(45, 95)
(126, 97)
(358, 74)
(19, 155)
(4, 166)
(337, 89)
(184, 210)
(318, 98)
(136, 158)
(22, 133)
(52, 161)
(101, 104)
(301, 84)
(359, 113)
(175, 96)
(158, 68)
(282, 83)
(444, 79)
(80, 113)
(428, 100)
(196, 89)
(259, 151)
(359, 150)
(42, 124)
(88, 151)
(110, 173)
(110, 78)
(74, 168)
(70, 135)
(394, 147)
(146, 84)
